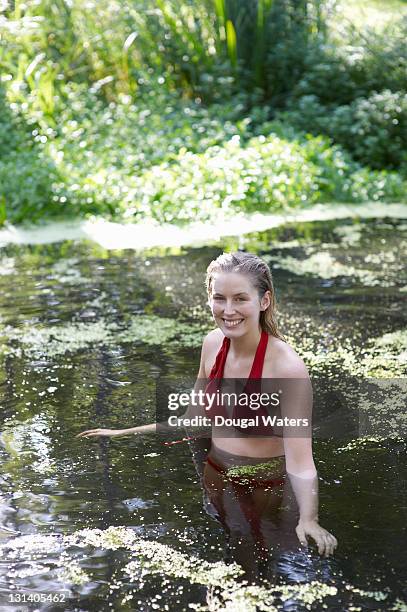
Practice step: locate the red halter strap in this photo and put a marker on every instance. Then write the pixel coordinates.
(258, 361)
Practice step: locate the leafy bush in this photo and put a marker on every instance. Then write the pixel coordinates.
(373, 129)
(339, 71)
(175, 161)
(12, 134)
(264, 174)
(28, 184)
(28, 177)
(163, 109)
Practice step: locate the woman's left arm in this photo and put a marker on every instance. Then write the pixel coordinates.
(305, 487)
(296, 405)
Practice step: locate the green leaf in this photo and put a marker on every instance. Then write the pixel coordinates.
(231, 42)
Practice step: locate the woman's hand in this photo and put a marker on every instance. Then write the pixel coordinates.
(324, 540)
(91, 433)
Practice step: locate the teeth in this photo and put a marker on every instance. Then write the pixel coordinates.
(232, 323)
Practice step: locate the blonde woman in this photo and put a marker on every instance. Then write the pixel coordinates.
(248, 345)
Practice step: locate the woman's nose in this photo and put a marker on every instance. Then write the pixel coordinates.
(229, 307)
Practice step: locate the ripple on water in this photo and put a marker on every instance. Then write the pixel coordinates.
(100, 319)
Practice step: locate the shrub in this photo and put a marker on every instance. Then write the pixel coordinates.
(337, 72)
(27, 187)
(182, 181)
(27, 174)
(373, 129)
(110, 118)
(176, 162)
(12, 134)
(204, 48)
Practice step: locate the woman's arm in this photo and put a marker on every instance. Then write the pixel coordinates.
(296, 403)
(152, 427)
(91, 433)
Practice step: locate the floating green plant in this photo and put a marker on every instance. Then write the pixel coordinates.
(226, 588)
(155, 330)
(60, 339)
(66, 271)
(349, 234)
(381, 357)
(387, 355)
(367, 442)
(71, 572)
(7, 266)
(258, 470)
(324, 265)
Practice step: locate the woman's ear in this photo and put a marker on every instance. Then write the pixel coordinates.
(265, 301)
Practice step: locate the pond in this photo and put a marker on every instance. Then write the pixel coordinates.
(99, 524)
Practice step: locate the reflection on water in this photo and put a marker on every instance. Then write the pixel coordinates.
(84, 335)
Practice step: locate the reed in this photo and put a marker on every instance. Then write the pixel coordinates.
(192, 46)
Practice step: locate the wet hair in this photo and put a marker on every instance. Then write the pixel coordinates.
(260, 275)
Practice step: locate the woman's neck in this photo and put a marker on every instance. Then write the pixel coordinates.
(245, 345)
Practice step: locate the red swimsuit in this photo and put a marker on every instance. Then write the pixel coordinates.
(252, 386)
(239, 488)
(257, 367)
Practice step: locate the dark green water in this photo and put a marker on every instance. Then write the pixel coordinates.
(75, 354)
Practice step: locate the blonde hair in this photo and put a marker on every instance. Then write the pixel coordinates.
(260, 275)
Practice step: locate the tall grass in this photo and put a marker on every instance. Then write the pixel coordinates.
(371, 13)
(204, 48)
(100, 101)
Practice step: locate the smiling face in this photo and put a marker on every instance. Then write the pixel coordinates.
(235, 303)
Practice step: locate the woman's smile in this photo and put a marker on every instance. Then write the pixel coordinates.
(232, 322)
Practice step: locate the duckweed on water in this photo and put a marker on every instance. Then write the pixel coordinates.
(159, 330)
(397, 339)
(251, 471)
(366, 442)
(60, 339)
(387, 355)
(324, 265)
(381, 358)
(65, 271)
(7, 266)
(349, 234)
(227, 591)
(252, 598)
(71, 571)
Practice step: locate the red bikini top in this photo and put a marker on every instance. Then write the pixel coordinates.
(239, 412)
(258, 361)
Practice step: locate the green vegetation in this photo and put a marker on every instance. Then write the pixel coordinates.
(175, 111)
(60, 339)
(263, 471)
(149, 559)
(372, 12)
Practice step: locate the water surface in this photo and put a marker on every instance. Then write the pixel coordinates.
(85, 333)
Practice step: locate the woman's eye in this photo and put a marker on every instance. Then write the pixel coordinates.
(218, 298)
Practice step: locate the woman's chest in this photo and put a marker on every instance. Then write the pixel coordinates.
(243, 367)
(237, 368)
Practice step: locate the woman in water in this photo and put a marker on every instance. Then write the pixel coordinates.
(252, 503)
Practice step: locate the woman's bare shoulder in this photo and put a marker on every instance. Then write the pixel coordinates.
(210, 347)
(213, 338)
(282, 361)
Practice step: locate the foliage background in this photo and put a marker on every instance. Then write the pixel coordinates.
(179, 109)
